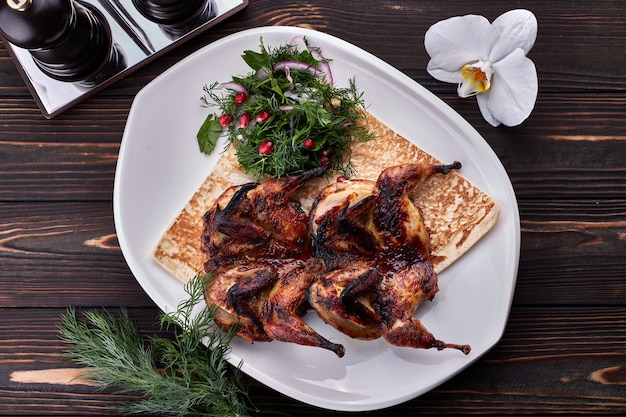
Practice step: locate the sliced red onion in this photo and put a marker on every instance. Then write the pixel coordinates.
(262, 74)
(288, 75)
(298, 43)
(286, 107)
(325, 68)
(323, 64)
(233, 86)
(317, 54)
(295, 65)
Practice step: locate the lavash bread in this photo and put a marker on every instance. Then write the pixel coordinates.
(456, 213)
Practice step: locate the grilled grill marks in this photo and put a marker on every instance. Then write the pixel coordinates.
(360, 258)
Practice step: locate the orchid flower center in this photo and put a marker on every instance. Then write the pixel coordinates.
(475, 78)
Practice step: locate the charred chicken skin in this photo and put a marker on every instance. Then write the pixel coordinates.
(258, 247)
(376, 249)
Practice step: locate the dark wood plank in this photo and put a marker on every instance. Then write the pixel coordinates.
(60, 254)
(555, 354)
(69, 158)
(74, 157)
(572, 252)
(580, 45)
(563, 349)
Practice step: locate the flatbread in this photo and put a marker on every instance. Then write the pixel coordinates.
(456, 213)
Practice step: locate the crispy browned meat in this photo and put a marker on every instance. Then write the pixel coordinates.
(341, 223)
(264, 221)
(259, 250)
(341, 298)
(238, 293)
(409, 278)
(281, 312)
(376, 225)
(341, 228)
(228, 233)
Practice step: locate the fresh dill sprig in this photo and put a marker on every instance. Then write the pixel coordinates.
(187, 375)
(285, 116)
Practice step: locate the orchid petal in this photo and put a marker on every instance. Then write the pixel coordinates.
(518, 29)
(442, 74)
(483, 105)
(459, 40)
(513, 91)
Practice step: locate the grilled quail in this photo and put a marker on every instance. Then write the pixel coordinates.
(259, 250)
(377, 226)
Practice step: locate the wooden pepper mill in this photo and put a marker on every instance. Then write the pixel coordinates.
(68, 40)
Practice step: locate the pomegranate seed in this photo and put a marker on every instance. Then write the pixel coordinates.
(225, 119)
(244, 120)
(263, 116)
(324, 160)
(240, 98)
(266, 147)
(309, 144)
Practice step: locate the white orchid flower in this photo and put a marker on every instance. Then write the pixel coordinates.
(488, 60)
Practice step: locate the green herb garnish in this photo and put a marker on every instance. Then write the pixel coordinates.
(285, 116)
(187, 375)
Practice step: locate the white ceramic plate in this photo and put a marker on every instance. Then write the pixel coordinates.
(160, 167)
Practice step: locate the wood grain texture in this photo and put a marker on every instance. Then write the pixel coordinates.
(564, 347)
(564, 361)
(71, 250)
(571, 147)
(59, 254)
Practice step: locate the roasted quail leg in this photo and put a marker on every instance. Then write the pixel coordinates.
(396, 299)
(397, 220)
(281, 312)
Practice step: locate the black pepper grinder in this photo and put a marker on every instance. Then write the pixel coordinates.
(68, 40)
(176, 18)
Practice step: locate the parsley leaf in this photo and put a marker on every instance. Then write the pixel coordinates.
(208, 134)
(256, 60)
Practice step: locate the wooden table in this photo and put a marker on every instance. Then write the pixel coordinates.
(564, 348)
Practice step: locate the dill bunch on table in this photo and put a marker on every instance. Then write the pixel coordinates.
(185, 375)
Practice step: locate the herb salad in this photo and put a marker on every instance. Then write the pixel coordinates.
(286, 115)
